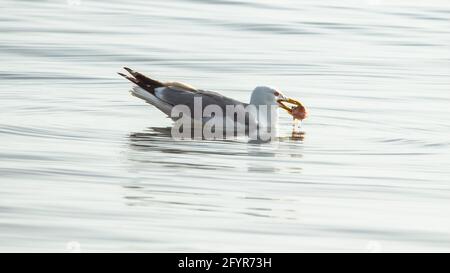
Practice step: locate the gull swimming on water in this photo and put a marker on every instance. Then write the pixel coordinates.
(167, 95)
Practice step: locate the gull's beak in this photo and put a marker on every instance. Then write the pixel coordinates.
(296, 109)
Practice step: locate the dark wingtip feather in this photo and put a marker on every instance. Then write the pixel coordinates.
(131, 79)
(141, 78)
(129, 70)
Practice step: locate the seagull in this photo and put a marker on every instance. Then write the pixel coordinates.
(167, 95)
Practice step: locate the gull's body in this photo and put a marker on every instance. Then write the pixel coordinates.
(165, 96)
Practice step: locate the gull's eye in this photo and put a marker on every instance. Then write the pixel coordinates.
(276, 94)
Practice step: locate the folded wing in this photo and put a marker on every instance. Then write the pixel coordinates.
(169, 94)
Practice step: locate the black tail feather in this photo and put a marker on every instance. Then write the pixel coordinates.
(131, 79)
(141, 80)
(144, 79)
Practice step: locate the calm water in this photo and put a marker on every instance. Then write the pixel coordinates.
(84, 166)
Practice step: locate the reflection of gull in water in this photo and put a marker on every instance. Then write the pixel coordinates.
(204, 176)
(160, 139)
(166, 96)
(154, 149)
(150, 146)
(152, 138)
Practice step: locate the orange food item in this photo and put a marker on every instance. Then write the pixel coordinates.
(299, 112)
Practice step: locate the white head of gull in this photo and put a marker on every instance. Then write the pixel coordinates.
(266, 96)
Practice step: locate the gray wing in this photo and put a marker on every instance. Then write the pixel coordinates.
(177, 96)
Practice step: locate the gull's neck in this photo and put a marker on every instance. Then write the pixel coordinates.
(267, 116)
